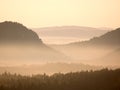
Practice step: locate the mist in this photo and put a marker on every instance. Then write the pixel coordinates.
(30, 59)
(23, 51)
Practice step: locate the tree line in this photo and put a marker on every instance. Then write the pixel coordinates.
(104, 79)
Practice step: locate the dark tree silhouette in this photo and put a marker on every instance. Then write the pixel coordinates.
(93, 80)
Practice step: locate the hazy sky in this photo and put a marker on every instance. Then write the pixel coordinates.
(40, 13)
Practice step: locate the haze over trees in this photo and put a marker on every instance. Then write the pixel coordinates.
(48, 68)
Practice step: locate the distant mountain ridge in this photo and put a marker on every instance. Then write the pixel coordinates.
(70, 31)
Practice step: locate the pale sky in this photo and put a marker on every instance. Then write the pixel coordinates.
(43, 13)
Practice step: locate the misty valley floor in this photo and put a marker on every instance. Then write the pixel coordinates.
(86, 80)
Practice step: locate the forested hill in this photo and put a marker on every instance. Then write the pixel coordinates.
(16, 32)
(111, 38)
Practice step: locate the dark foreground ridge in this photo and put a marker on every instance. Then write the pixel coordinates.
(93, 80)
